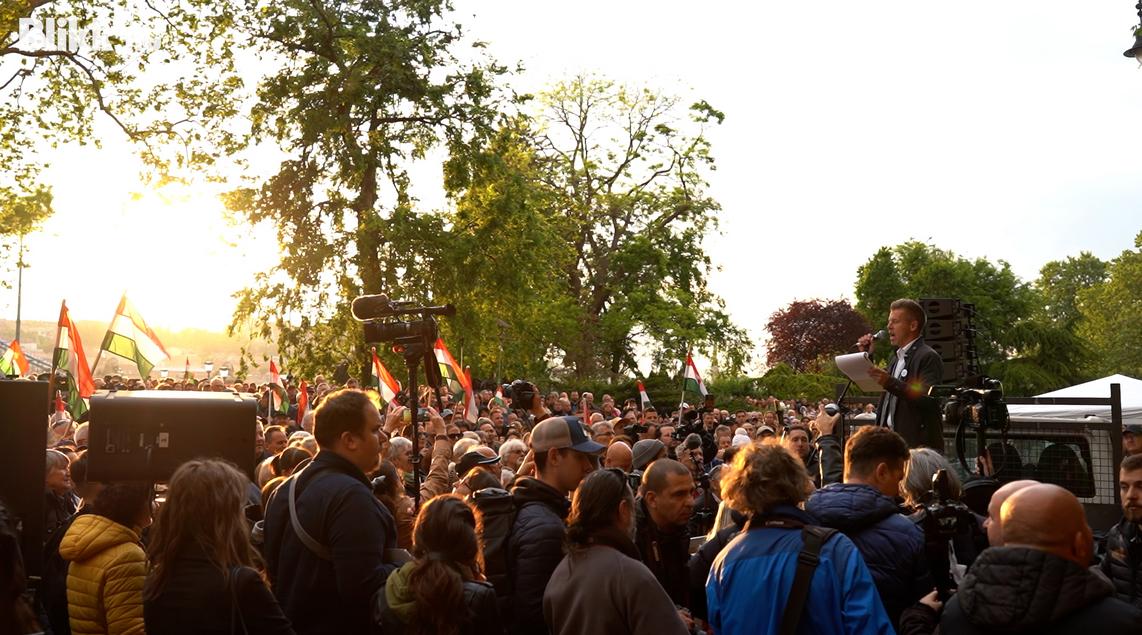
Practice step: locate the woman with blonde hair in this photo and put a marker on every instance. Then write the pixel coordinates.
(202, 577)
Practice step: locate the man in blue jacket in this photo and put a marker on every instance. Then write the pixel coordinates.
(752, 578)
(864, 508)
(325, 579)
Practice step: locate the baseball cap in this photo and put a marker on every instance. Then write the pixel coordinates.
(472, 459)
(644, 452)
(765, 428)
(447, 412)
(563, 432)
(1133, 428)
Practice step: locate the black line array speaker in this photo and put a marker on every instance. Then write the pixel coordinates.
(949, 330)
(146, 435)
(23, 443)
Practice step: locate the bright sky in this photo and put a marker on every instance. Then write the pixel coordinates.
(998, 129)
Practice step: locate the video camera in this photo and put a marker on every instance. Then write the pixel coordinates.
(634, 429)
(977, 404)
(943, 517)
(373, 309)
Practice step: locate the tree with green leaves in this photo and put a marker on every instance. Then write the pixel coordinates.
(624, 174)
(359, 91)
(1112, 315)
(1059, 284)
(152, 81)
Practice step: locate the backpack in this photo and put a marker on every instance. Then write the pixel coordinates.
(498, 508)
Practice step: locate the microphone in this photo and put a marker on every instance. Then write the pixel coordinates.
(880, 336)
(831, 409)
(371, 307)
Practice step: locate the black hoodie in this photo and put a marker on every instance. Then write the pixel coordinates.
(1022, 590)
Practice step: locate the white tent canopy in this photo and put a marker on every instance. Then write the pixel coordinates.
(1099, 388)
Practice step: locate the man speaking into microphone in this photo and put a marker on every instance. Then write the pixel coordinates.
(912, 370)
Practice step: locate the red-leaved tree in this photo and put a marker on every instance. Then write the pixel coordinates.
(809, 332)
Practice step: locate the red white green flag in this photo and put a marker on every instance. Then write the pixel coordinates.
(13, 363)
(279, 398)
(643, 398)
(129, 337)
(691, 380)
(384, 382)
(471, 409)
(69, 357)
(499, 398)
(449, 369)
(302, 401)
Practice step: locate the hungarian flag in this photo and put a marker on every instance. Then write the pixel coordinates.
(471, 408)
(499, 398)
(449, 369)
(69, 357)
(13, 363)
(302, 401)
(691, 380)
(383, 381)
(279, 398)
(130, 337)
(643, 398)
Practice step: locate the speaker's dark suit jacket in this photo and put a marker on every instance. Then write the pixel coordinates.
(917, 417)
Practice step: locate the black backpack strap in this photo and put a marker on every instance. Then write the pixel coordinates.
(814, 538)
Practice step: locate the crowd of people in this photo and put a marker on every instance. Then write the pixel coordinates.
(551, 513)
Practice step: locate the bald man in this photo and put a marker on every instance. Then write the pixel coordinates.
(619, 455)
(1039, 581)
(991, 523)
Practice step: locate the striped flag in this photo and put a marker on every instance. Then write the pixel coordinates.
(13, 363)
(449, 369)
(691, 380)
(277, 389)
(499, 398)
(383, 381)
(69, 357)
(302, 401)
(129, 337)
(471, 409)
(643, 398)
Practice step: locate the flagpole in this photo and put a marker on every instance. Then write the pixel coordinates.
(685, 367)
(270, 414)
(99, 353)
(55, 357)
(19, 285)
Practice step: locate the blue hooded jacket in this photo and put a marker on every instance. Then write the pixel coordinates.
(892, 545)
(751, 579)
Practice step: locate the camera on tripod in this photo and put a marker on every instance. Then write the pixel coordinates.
(977, 404)
(413, 339)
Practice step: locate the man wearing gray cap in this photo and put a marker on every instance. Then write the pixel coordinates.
(563, 456)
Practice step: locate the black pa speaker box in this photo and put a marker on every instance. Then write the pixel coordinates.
(146, 435)
(935, 308)
(23, 443)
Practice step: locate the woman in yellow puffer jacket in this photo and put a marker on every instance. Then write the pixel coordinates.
(108, 565)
